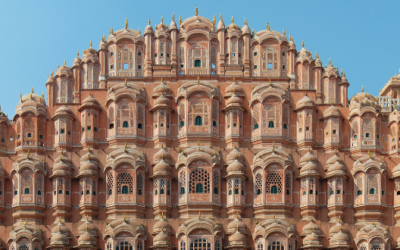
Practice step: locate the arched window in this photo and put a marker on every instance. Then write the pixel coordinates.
(182, 190)
(139, 246)
(125, 124)
(276, 245)
(260, 246)
(270, 124)
(217, 245)
(255, 126)
(214, 123)
(202, 177)
(140, 126)
(182, 181)
(124, 245)
(139, 184)
(359, 192)
(199, 188)
(258, 183)
(372, 191)
(274, 189)
(182, 245)
(60, 192)
(182, 123)
(39, 192)
(197, 63)
(125, 181)
(26, 191)
(200, 244)
(274, 180)
(23, 247)
(109, 245)
(198, 121)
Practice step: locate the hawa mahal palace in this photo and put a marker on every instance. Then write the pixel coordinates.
(200, 135)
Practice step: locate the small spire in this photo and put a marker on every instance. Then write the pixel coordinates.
(90, 43)
(290, 37)
(220, 17)
(309, 149)
(196, 12)
(253, 32)
(77, 54)
(162, 215)
(232, 20)
(126, 82)
(369, 154)
(140, 31)
(162, 145)
(330, 62)
(103, 38)
(237, 228)
(198, 80)
(125, 149)
(284, 32)
(316, 55)
(270, 83)
(199, 215)
(62, 151)
(65, 62)
(362, 88)
(124, 217)
(180, 21)
(111, 31)
(52, 73)
(245, 22)
(87, 218)
(237, 213)
(162, 21)
(302, 44)
(214, 21)
(162, 156)
(149, 22)
(340, 219)
(274, 217)
(268, 28)
(273, 146)
(20, 96)
(173, 17)
(26, 221)
(27, 155)
(126, 23)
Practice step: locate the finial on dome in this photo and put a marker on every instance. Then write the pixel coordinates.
(103, 38)
(196, 12)
(268, 26)
(77, 54)
(237, 215)
(284, 32)
(270, 83)
(330, 61)
(335, 151)
(26, 221)
(162, 156)
(90, 43)
(140, 31)
(273, 146)
(149, 21)
(126, 82)
(20, 96)
(199, 215)
(302, 44)
(111, 31)
(52, 73)
(245, 22)
(369, 154)
(126, 23)
(65, 62)
(173, 17)
(62, 151)
(125, 149)
(309, 149)
(124, 217)
(27, 155)
(316, 55)
(232, 20)
(340, 219)
(274, 217)
(362, 88)
(198, 80)
(253, 32)
(87, 218)
(162, 21)
(180, 20)
(290, 38)
(214, 21)
(162, 215)
(88, 157)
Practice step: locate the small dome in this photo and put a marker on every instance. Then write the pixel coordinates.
(88, 166)
(312, 239)
(90, 101)
(336, 228)
(334, 159)
(172, 25)
(234, 100)
(237, 237)
(86, 239)
(311, 227)
(233, 26)
(340, 239)
(305, 102)
(61, 166)
(162, 88)
(336, 167)
(162, 100)
(221, 24)
(235, 166)
(89, 157)
(162, 154)
(148, 28)
(60, 228)
(162, 166)
(246, 29)
(64, 159)
(162, 237)
(161, 224)
(332, 111)
(234, 225)
(233, 155)
(308, 157)
(87, 226)
(59, 239)
(64, 110)
(310, 166)
(234, 88)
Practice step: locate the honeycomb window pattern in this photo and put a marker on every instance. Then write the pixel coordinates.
(199, 176)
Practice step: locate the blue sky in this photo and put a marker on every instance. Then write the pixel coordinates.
(361, 37)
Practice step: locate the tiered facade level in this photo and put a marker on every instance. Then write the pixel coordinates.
(200, 136)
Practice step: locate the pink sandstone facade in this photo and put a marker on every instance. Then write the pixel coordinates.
(200, 136)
